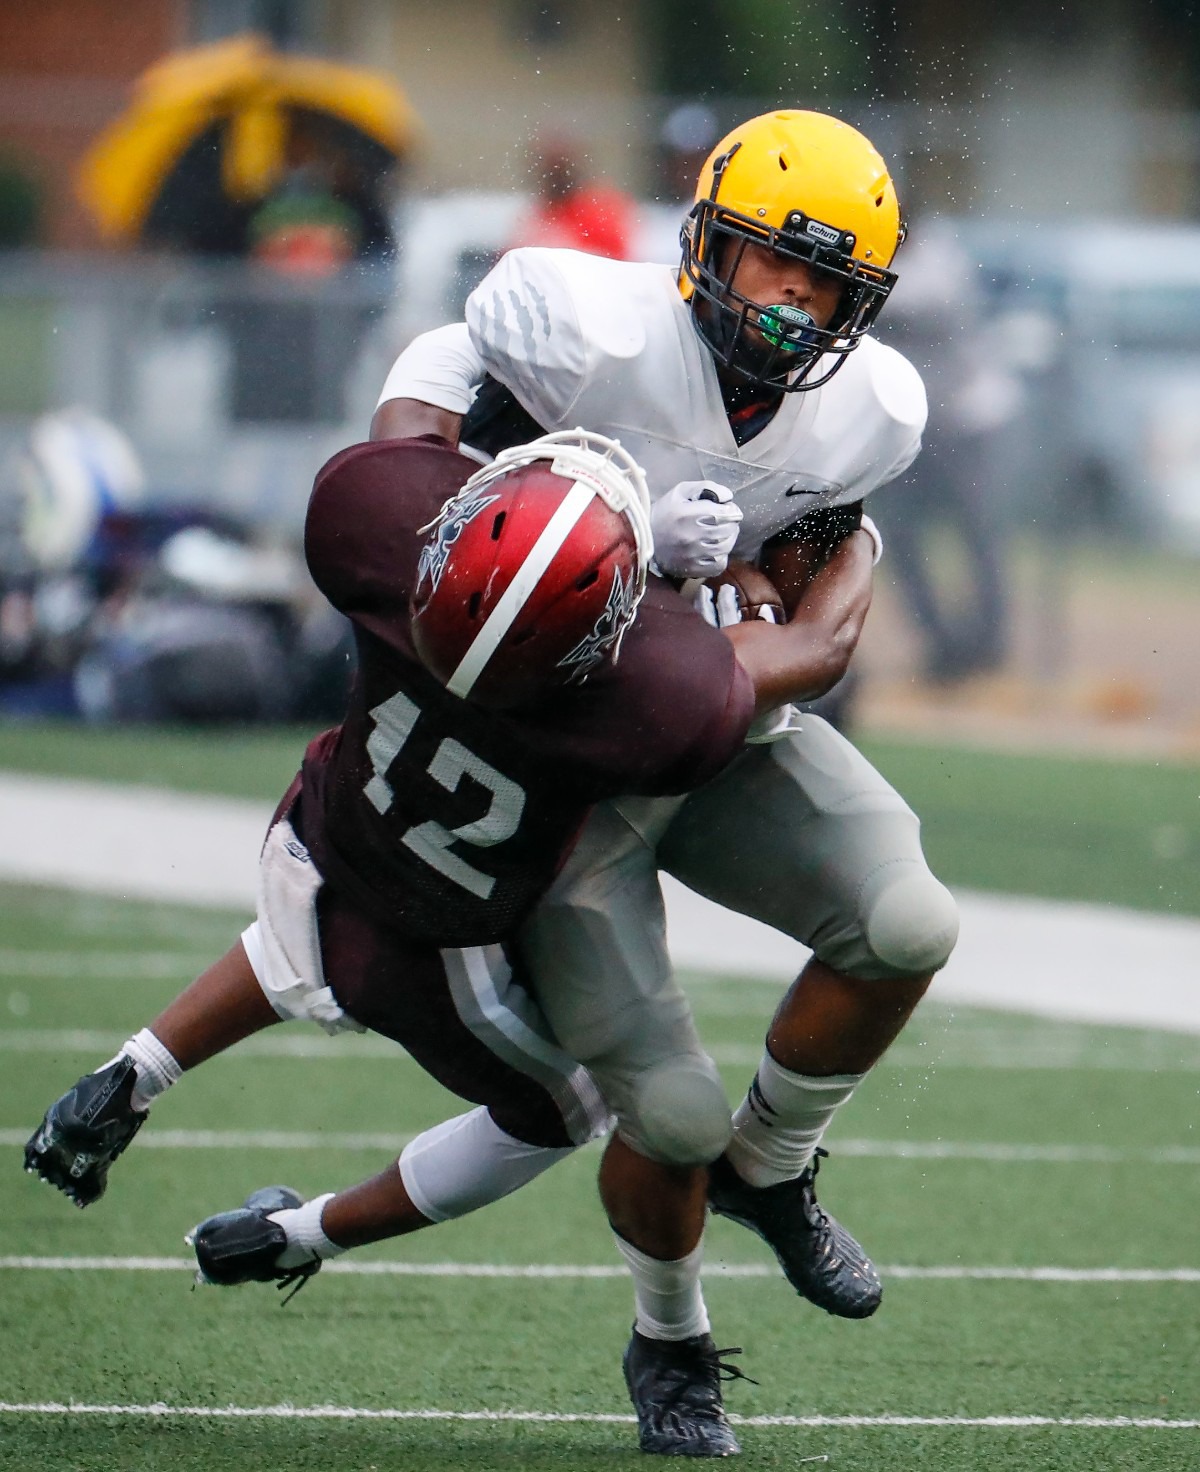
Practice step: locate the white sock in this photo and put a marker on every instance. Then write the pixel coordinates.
(669, 1302)
(157, 1070)
(779, 1124)
(467, 1162)
(306, 1239)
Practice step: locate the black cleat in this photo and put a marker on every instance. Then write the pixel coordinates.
(675, 1387)
(84, 1132)
(243, 1246)
(819, 1257)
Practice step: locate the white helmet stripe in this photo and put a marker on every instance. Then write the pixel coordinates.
(528, 575)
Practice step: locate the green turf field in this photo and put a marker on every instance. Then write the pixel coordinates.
(984, 1142)
(1059, 826)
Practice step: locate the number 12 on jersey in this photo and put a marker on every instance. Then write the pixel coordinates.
(451, 762)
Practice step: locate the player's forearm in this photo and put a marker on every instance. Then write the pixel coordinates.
(221, 1007)
(808, 655)
(403, 419)
(793, 558)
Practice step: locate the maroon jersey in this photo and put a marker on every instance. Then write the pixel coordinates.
(447, 821)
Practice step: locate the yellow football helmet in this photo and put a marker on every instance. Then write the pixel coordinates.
(809, 188)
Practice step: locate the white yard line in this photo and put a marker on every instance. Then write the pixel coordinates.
(1082, 962)
(1008, 1154)
(1060, 1055)
(930, 1150)
(586, 1418)
(84, 965)
(154, 1139)
(584, 1272)
(303, 1042)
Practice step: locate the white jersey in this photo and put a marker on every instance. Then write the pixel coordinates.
(609, 346)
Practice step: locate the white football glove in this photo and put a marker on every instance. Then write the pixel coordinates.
(695, 526)
(720, 606)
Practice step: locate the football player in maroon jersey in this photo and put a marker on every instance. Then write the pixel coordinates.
(489, 713)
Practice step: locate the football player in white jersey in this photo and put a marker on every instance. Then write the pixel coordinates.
(746, 385)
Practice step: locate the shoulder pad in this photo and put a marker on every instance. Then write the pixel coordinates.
(563, 308)
(523, 324)
(895, 382)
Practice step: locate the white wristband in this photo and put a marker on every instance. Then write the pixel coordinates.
(872, 531)
(772, 725)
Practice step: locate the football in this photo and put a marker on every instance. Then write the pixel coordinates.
(754, 590)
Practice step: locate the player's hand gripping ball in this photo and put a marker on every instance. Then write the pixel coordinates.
(741, 593)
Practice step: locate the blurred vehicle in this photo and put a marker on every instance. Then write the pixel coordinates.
(1104, 320)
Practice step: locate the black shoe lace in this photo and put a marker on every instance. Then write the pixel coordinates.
(714, 1369)
(726, 1371)
(814, 1212)
(295, 1279)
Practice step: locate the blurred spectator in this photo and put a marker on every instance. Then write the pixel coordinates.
(327, 211)
(935, 316)
(572, 212)
(329, 193)
(303, 231)
(687, 137)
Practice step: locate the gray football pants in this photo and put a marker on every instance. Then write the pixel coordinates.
(803, 834)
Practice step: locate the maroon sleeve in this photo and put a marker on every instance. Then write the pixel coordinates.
(672, 712)
(361, 535)
(714, 747)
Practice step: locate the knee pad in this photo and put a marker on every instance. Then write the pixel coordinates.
(679, 1114)
(911, 923)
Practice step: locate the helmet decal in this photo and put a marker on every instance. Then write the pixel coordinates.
(604, 641)
(452, 519)
(798, 223)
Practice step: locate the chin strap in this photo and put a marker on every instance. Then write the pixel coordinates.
(872, 531)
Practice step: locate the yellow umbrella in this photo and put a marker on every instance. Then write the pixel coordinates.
(250, 89)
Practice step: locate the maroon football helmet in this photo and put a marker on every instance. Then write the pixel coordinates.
(534, 570)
